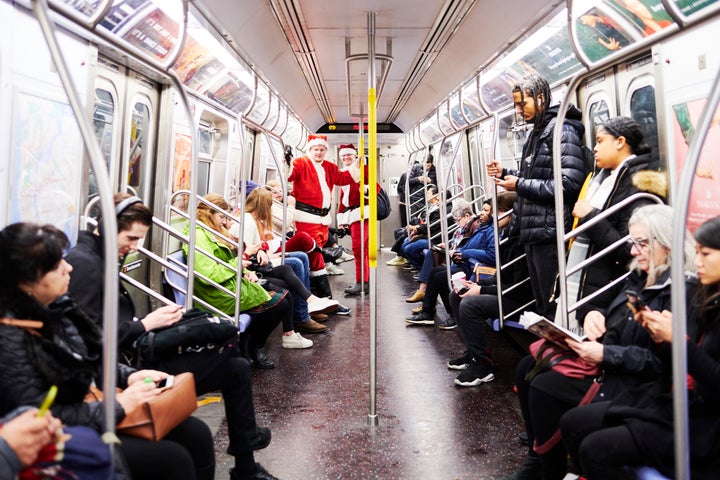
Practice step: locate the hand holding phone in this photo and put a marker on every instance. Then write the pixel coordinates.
(634, 301)
(166, 382)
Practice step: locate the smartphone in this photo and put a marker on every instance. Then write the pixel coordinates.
(463, 291)
(166, 382)
(634, 301)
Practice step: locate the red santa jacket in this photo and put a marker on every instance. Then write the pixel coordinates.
(308, 189)
(349, 201)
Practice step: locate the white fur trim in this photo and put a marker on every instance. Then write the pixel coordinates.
(347, 151)
(317, 141)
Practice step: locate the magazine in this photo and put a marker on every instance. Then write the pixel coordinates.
(544, 328)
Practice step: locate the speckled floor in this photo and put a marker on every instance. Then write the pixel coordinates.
(317, 400)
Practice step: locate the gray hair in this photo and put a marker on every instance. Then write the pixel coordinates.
(658, 221)
(462, 208)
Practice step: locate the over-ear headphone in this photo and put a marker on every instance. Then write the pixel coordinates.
(120, 207)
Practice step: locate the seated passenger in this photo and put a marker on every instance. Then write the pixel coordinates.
(480, 301)
(623, 163)
(417, 239)
(67, 352)
(295, 274)
(477, 250)
(267, 310)
(22, 437)
(617, 343)
(214, 370)
(637, 428)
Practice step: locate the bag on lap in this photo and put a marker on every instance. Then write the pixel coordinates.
(197, 330)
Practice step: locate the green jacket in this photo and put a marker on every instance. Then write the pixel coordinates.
(251, 294)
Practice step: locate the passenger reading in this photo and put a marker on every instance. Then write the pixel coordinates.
(542, 327)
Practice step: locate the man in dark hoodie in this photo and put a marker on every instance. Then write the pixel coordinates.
(535, 184)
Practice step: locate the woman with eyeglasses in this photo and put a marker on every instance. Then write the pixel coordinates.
(637, 428)
(617, 343)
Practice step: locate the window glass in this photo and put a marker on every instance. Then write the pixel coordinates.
(138, 156)
(642, 109)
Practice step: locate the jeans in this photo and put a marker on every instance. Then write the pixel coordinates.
(300, 264)
(413, 251)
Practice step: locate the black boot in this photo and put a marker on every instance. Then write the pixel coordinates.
(357, 289)
(320, 286)
(259, 358)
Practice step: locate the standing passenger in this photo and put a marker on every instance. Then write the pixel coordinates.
(535, 186)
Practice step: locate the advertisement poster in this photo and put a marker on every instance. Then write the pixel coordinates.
(705, 191)
(183, 158)
(599, 35)
(155, 34)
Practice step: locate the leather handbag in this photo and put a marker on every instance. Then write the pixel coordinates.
(153, 419)
(564, 361)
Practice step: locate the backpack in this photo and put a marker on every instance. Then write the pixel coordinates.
(383, 204)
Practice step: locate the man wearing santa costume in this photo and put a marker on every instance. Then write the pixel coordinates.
(349, 214)
(313, 179)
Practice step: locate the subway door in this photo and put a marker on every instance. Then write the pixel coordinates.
(125, 117)
(597, 99)
(636, 95)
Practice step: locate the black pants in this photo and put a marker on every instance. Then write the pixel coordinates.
(599, 450)
(290, 281)
(437, 286)
(523, 388)
(186, 453)
(264, 323)
(403, 214)
(543, 268)
(230, 373)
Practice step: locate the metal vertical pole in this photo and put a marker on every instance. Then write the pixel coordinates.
(372, 240)
(363, 182)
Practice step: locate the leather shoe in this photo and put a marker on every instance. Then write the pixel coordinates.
(418, 296)
(260, 474)
(320, 317)
(310, 326)
(357, 289)
(260, 359)
(261, 439)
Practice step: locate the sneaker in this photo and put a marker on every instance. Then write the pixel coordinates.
(474, 375)
(418, 296)
(260, 474)
(310, 326)
(460, 363)
(345, 257)
(296, 341)
(448, 324)
(322, 305)
(422, 318)
(397, 262)
(407, 265)
(342, 310)
(333, 269)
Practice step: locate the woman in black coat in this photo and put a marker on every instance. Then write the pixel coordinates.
(637, 427)
(67, 351)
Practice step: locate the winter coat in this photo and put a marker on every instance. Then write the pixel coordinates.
(510, 249)
(68, 353)
(632, 178)
(648, 412)
(535, 204)
(252, 294)
(479, 246)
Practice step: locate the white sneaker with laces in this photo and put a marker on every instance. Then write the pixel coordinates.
(296, 341)
(345, 257)
(333, 269)
(322, 304)
(396, 262)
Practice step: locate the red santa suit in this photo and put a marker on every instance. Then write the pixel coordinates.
(349, 214)
(312, 188)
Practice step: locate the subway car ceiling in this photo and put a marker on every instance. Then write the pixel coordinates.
(299, 66)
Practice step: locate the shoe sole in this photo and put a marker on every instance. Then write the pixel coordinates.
(476, 382)
(344, 314)
(447, 327)
(323, 330)
(420, 322)
(296, 347)
(457, 367)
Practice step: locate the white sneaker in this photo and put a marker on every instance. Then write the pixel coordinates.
(333, 269)
(322, 304)
(345, 257)
(396, 262)
(296, 341)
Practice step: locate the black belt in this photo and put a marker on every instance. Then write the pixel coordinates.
(304, 207)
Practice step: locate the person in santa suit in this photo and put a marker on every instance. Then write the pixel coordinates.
(313, 179)
(349, 214)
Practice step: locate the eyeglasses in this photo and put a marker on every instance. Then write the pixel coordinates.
(639, 243)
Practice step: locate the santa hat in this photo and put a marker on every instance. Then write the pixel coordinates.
(348, 149)
(314, 140)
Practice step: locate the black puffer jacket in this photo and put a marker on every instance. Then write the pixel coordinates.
(632, 178)
(535, 202)
(68, 353)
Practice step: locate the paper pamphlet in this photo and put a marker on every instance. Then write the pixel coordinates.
(544, 328)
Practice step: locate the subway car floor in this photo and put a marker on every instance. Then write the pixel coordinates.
(316, 401)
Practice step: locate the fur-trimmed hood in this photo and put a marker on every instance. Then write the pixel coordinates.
(651, 181)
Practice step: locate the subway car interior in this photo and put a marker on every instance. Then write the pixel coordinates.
(172, 101)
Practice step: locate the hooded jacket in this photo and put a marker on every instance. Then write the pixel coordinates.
(535, 188)
(633, 177)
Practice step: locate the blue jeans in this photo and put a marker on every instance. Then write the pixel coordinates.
(427, 266)
(413, 251)
(300, 264)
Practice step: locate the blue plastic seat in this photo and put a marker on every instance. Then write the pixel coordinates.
(178, 283)
(646, 473)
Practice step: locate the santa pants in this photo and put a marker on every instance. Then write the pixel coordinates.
(360, 266)
(303, 242)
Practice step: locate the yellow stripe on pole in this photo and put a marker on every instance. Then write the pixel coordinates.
(361, 163)
(372, 176)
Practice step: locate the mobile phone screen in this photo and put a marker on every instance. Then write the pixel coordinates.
(166, 382)
(634, 302)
